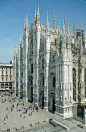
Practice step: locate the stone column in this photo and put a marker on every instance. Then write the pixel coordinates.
(82, 86)
(77, 82)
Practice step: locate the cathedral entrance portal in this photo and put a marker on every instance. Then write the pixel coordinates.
(52, 102)
(53, 105)
(42, 100)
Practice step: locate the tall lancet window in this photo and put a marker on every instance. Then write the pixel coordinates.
(31, 68)
(43, 81)
(43, 63)
(74, 84)
(54, 80)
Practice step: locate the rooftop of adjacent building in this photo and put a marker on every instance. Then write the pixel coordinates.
(6, 64)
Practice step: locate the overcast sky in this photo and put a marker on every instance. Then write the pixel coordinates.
(12, 13)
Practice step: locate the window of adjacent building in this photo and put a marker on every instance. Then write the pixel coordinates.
(54, 81)
(6, 78)
(2, 78)
(2, 72)
(31, 68)
(6, 72)
(10, 78)
(10, 72)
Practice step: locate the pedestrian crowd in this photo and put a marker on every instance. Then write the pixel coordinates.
(20, 107)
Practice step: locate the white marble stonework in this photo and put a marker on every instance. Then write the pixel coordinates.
(46, 66)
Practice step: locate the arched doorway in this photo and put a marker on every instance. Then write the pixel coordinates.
(42, 98)
(31, 94)
(52, 103)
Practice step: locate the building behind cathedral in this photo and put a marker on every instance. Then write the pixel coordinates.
(50, 68)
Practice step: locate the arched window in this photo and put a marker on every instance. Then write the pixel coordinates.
(43, 63)
(54, 80)
(31, 68)
(74, 84)
(43, 81)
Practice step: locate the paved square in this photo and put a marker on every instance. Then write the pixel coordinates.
(15, 121)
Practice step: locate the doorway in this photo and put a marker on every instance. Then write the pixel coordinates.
(53, 105)
(31, 94)
(42, 100)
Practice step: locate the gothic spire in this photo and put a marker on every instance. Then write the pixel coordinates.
(38, 9)
(68, 35)
(38, 15)
(63, 28)
(27, 22)
(59, 28)
(74, 24)
(82, 24)
(54, 21)
(47, 19)
(24, 22)
(68, 29)
(20, 40)
(20, 37)
(35, 14)
(35, 10)
(65, 21)
(81, 50)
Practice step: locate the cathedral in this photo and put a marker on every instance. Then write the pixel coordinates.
(49, 68)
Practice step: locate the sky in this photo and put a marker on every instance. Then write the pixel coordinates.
(12, 15)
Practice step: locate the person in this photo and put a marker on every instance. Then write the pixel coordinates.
(30, 124)
(38, 122)
(24, 116)
(33, 108)
(37, 109)
(44, 120)
(29, 113)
